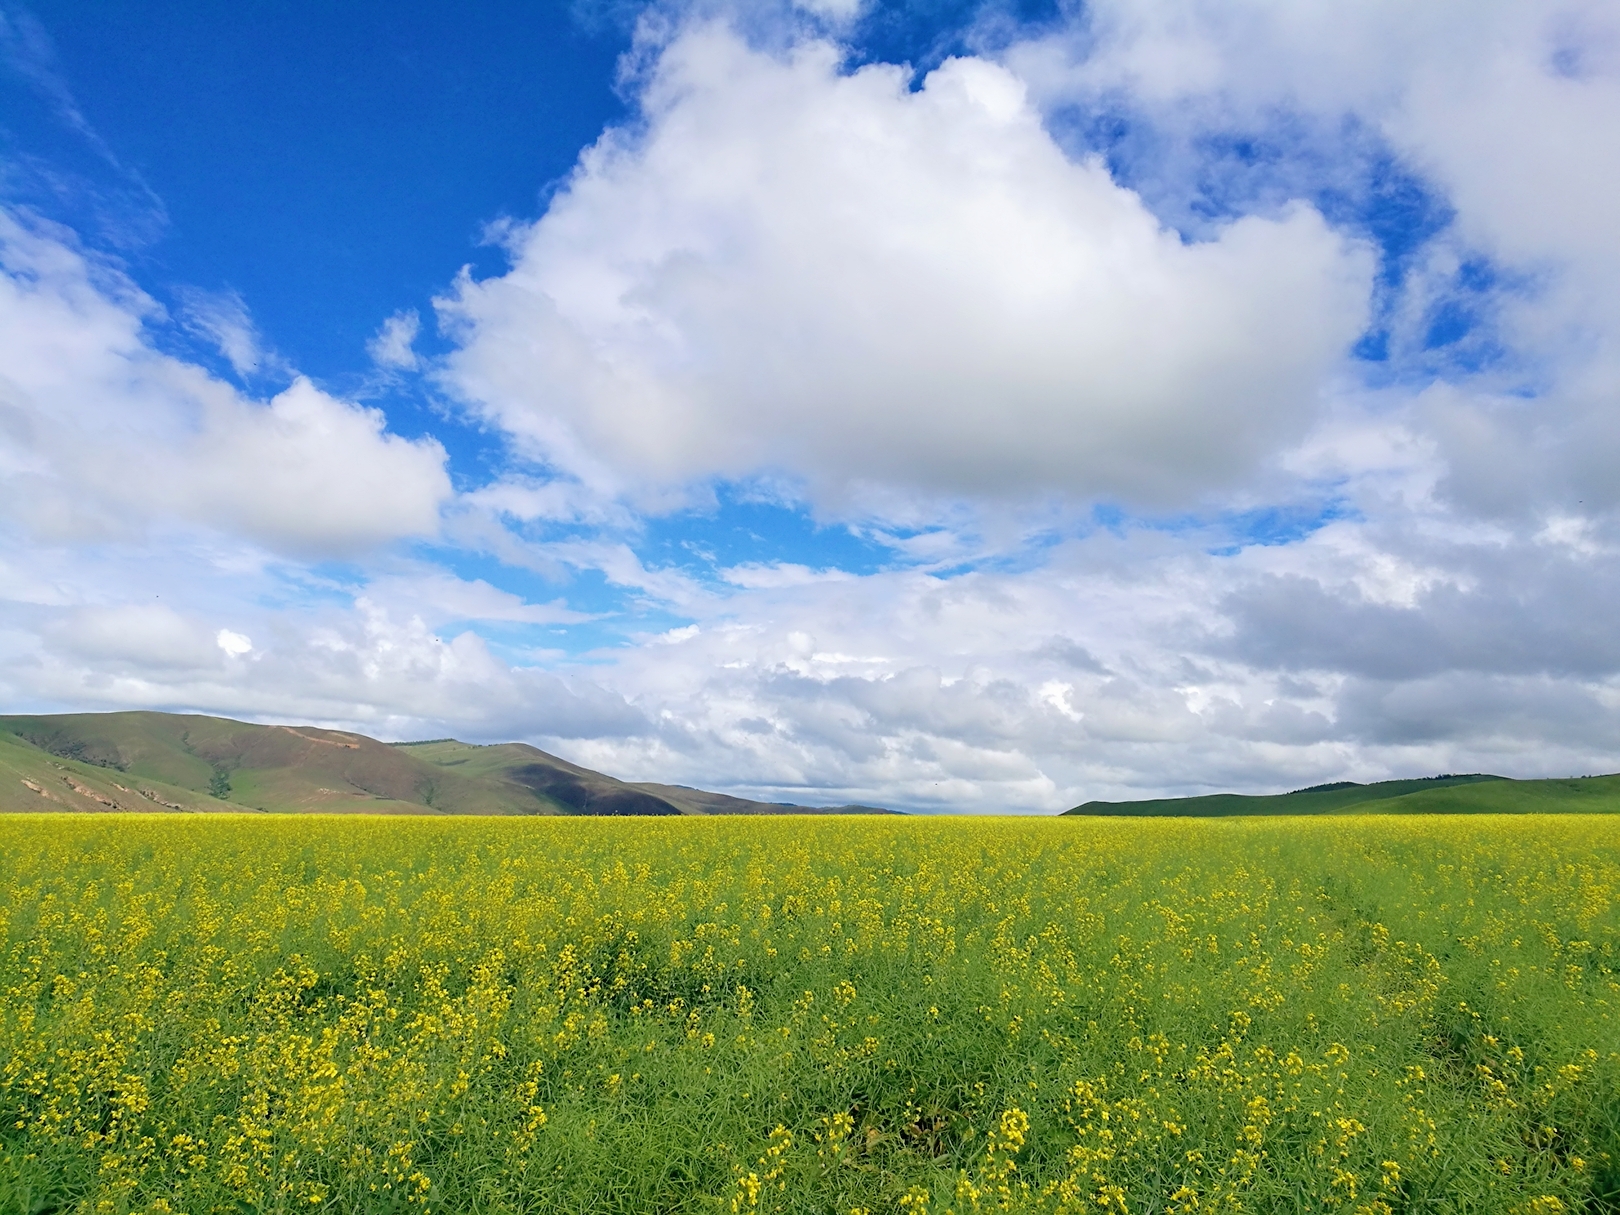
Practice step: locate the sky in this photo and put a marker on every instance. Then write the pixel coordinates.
(957, 407)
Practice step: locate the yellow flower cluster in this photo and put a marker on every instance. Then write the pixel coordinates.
(849, 1015)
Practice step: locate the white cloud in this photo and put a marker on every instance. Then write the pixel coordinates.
(840, 11)
(780, 573)
(1127, 666)
(390, 348)
(1510, 109)
(438, 597)
(831, 275)
(101, 435)
(308, 473)
(234, 644)
(1507, 111)
(143, 635)
(222, 317)
(360, 664)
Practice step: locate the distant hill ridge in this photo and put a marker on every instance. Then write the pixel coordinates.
(1449, 793)
(178, 761)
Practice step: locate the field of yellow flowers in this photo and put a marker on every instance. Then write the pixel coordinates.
(848, 1015)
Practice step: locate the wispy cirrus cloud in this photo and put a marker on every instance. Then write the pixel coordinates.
(97, 182)
(222, 319)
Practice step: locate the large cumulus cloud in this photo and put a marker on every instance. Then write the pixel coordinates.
(785, 266)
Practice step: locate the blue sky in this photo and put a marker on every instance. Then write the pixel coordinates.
(954, 406)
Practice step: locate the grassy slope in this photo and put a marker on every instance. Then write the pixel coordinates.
(32, 780)
(1583, 795)
(275, 768)
(280, 769)
(1473, 794)
(519, 774)
(101, 761)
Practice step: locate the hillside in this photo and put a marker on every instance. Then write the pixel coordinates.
(171, 761)
(1474, 793)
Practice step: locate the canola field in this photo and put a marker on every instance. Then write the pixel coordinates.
(847, 1015)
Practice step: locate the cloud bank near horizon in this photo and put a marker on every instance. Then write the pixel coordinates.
(1184, 396)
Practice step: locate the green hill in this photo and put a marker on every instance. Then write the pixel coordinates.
(173, 761)
(1473, 793)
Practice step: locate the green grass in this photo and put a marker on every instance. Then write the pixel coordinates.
(1350, 1014)
(1471, 794)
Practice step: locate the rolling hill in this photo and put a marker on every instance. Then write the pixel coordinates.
(172, 761)
(1473, 793)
